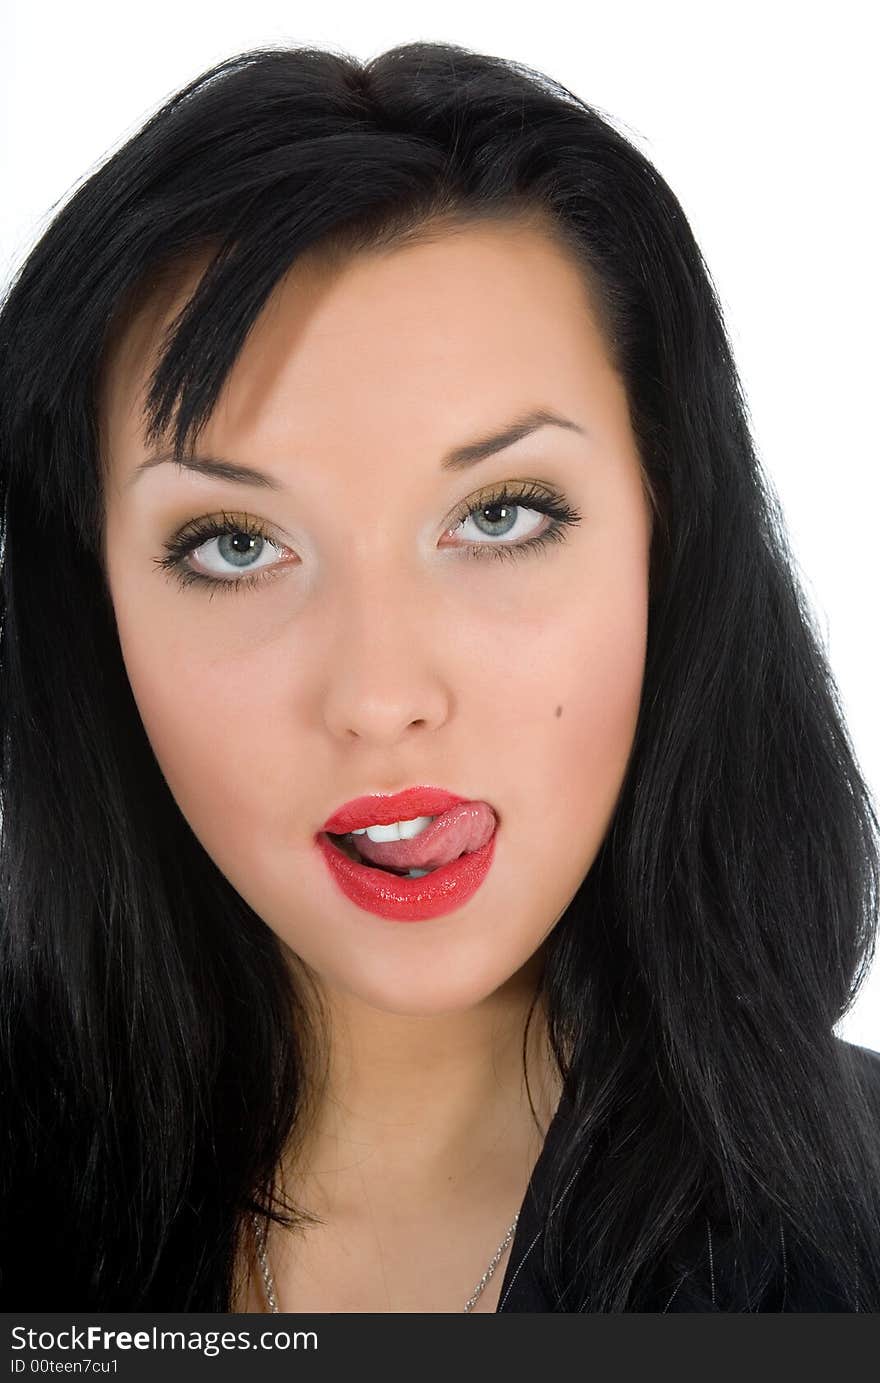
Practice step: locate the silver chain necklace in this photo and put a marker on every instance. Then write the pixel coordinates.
(269, 1281)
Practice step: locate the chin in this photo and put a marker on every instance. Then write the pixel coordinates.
(431, 987)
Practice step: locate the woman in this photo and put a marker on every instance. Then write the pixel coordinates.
(412, 930)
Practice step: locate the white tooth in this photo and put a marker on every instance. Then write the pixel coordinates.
(397, 830)
(408, 829)
(391, 832)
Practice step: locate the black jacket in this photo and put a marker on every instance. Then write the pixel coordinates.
(712, 1264)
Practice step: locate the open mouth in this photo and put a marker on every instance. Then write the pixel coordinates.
(346, 843)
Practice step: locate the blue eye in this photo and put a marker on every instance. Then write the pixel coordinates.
(247, 536)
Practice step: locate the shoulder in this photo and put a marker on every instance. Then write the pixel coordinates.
(864, 1064)
(863, 1056)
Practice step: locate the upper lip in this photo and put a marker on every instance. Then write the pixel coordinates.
(381, 809)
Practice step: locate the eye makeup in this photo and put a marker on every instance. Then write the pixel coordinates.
(198, 532)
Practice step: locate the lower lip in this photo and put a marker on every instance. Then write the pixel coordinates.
(409, 900)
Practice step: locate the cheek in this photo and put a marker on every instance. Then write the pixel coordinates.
(567, 719)
(597, 723)
(201, 713)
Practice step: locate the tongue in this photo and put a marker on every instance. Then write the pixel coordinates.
(465, 827)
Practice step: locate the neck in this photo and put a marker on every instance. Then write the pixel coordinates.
(414, 1108)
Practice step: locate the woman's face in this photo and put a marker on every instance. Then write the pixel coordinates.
(380, 650)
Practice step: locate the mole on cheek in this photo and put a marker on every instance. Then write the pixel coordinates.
(558, 712)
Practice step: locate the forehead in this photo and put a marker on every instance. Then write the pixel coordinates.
(498, 304)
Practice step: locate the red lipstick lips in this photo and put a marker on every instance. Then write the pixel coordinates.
(380, 809)
(398, 897)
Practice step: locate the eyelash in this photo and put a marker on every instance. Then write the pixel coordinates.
(199, 531)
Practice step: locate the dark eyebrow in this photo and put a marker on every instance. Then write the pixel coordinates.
(461, 457)
(458, 459)
(211, 466)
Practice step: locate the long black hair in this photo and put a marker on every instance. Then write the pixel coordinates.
(155, 1045)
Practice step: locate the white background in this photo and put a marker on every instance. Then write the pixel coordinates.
(760, 117)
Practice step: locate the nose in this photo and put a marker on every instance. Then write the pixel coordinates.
(387, 675)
